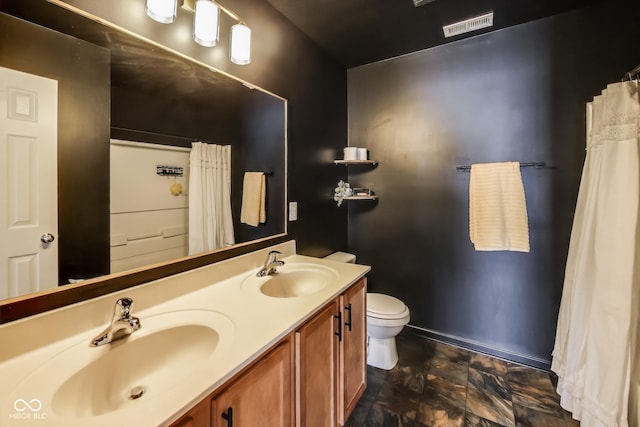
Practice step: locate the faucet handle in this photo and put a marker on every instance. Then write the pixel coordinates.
(270, 264)
(123, 308)
(122, 324)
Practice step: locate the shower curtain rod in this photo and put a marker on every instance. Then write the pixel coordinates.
(522, 165)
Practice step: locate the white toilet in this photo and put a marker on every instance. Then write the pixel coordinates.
(386, 316)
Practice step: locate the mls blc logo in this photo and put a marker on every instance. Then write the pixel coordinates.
(28, 410)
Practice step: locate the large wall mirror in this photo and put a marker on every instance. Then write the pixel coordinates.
(124, 108)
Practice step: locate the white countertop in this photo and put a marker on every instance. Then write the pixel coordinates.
(258, 322)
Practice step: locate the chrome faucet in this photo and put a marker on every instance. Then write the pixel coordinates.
(122, 324)
(270, 264)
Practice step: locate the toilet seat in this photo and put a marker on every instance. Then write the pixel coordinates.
(389, 323)
(385, 307)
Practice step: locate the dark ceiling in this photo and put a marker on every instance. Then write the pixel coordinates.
(357, 32)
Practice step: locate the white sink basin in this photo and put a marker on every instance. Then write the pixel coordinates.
(292, 280)
(169, 348)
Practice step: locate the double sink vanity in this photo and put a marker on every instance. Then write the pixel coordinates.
(215, 346)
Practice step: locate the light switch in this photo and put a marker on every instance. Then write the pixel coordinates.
(293, 211)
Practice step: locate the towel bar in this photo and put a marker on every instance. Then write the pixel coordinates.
(522, 165)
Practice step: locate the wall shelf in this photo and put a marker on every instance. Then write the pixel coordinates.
(355, 162)
(360, 198)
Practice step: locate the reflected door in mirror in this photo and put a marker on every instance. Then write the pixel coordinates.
(28, 187)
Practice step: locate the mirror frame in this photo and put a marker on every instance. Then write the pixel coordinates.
(16, 308)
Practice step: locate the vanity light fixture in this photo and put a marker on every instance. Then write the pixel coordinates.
(206, 25)
(163, 11)
(240, 49)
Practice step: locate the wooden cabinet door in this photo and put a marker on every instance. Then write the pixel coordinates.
(353, 349)
(317, 369)
(263, 396)
(199, 416)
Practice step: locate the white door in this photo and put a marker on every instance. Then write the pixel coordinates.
(28, 183)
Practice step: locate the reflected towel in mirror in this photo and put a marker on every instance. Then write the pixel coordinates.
(253, 199)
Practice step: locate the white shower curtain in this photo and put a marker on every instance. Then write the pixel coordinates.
(210, 220)
(594, 353)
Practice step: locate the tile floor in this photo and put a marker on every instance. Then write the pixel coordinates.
(437, 385)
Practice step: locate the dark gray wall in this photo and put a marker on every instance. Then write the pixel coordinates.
(515, 94)
(261, 149)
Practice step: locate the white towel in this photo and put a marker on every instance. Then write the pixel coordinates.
(497, 208)
(253, 199)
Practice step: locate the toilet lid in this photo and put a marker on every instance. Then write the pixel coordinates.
(384, 304)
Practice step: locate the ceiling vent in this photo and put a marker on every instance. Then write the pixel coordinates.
(421, 2)
(471, 24)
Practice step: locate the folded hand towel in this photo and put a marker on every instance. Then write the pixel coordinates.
(253, 199)
(497, 208)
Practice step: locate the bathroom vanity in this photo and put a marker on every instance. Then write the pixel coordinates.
(312, 377)
(217, 346)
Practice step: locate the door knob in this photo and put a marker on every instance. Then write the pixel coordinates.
(47, 238)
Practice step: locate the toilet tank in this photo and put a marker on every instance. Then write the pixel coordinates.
(342, 257)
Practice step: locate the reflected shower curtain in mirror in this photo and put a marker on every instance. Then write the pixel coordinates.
(210, 220)
(594, 353)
